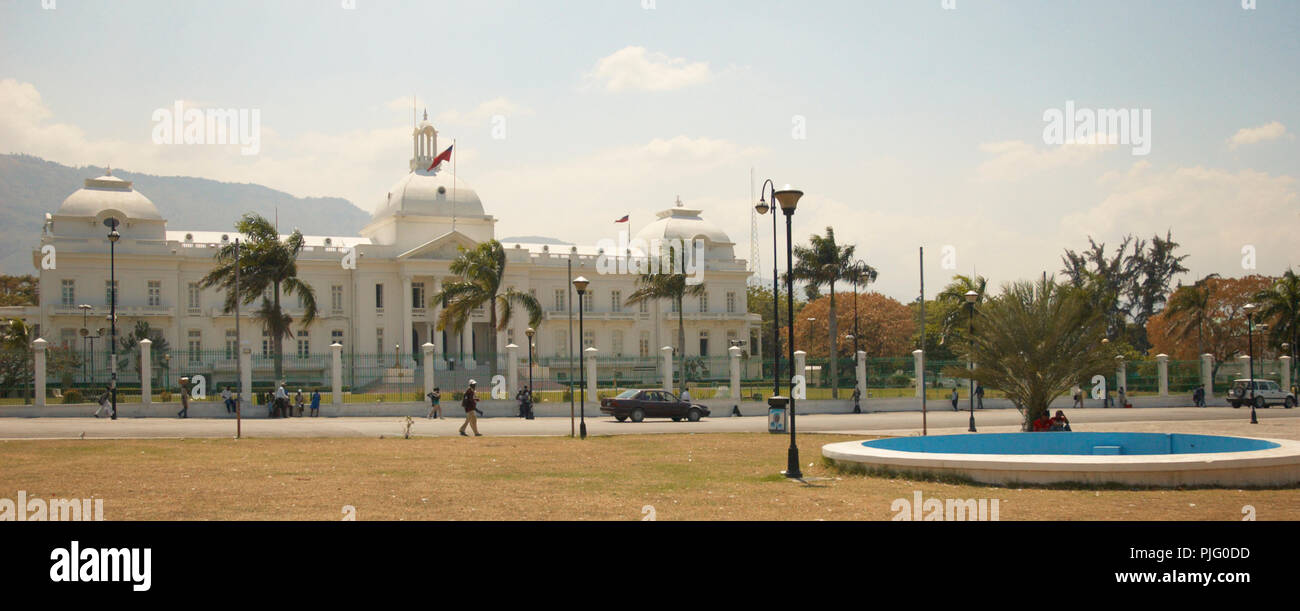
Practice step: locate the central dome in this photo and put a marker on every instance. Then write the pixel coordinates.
(426, 194)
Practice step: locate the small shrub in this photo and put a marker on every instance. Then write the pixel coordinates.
(165, 396)
(73, 396)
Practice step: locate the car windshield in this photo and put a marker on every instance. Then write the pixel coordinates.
(627, 394)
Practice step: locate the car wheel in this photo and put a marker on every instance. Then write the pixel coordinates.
(1289, 403)
(1260, 403)
(638, 415)
(1235, 404)
(693, 415)
(621, 418)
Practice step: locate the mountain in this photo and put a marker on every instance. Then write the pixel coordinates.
(30, 187)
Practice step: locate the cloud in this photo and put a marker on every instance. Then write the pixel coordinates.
(482, 113)
(636, 69)
(1255, 135)
(1016, 159)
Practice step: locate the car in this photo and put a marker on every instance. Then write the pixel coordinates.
(639, 404)
(1267, 392)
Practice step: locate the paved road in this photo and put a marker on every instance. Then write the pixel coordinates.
(889, 423)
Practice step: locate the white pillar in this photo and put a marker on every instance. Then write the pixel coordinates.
(1121, 375)
(467, 346)
(918, 366)
(800, 367)
(1244, 360)
(428, 367)
(336, 373)
(1286, 372)
(245, 376)
(512, 370)
(1207, 375)
(38, 360)
(666, 367)
(734, 352)
(862, 373)
(1162, 361)
(146, 371)
(591, 372)
(407, 325)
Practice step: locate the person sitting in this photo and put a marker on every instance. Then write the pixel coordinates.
(1060, 422)
(1044, 422)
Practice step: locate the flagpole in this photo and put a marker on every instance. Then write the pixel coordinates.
(453, 183)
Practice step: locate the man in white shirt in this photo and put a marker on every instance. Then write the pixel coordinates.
(225, 397)
(686, 394)
(281, 401)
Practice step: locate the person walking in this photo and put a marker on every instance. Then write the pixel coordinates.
(470, 403)
(315, 402)
(185, 399)
(686, 393)
(298, 402)
(1078, 396)
(281, 401)
(103, 401)
(979, 396)
(522, 398)
(1123, 397)
(953, 398)
(857, 399)
(435, 403)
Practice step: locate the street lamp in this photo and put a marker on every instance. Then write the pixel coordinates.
(167, 370)
(762, 207)
(1249, 309)
(580, 284)
(971, 297)
(530, 332)
(788, 198)
(113, 237)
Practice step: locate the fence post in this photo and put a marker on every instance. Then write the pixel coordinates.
(146, 371)
(336, 374)
(1207, 375)
(1121, 375)
(918, 370)
(1245, 366)
(1162, 361)
(38, 373)
(862, 373)
(800, 367)
(428, 367)
(591, 372)
(734, 352)
(512, 370)
(1286, 373)
(666, 367)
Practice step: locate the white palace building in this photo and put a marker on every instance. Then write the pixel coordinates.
(380, 305)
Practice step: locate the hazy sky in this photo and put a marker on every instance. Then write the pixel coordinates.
(905, 123)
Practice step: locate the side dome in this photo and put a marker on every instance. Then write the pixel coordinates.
(686, 224)
(109, 193)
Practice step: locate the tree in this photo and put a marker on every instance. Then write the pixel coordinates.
(129, 345)
(268, 267)
(1279, 305)
(823, 262)
(16, 338)
(885, 326)
(1036, 340)
(1224, 330)
(1131, 286)
(952, 310)
(1189, 310)
(674, 287)
(759, 301)
(481, 271)
(19, 290)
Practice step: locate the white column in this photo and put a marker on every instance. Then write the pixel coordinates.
(666, 367)
(862, 373)
(336, 373)
(1207, 375)
(146, 371)
(512, 370)
(734, 352)
(407, 325)
(1162, 361)
(800, 367)
(428, 367)
(1244, 360)
(38, 360)
(918, 366)
(1286, 372)
(1121, 375)
(245, 376)
(467, 345)
(591, 372)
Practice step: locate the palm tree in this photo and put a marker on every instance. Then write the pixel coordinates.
(1190, 309)
(130, 346)
(481, 270)
(268, 266)
(1281, 305)
(953, 320)
(1036, 339)
(674, 287)
(823, 262)
(16, 338)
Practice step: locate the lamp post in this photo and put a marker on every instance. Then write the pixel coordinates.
(1286, 350)
(788, 198)
(971, 296)
(580, 284)
(86, 309)
(1249, 309)
(530, 332)
(762, 207)
(113, 237)
(858, 266)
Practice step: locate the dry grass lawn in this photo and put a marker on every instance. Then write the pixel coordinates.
(684, 477)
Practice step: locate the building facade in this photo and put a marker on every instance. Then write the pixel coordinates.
(372, 290)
